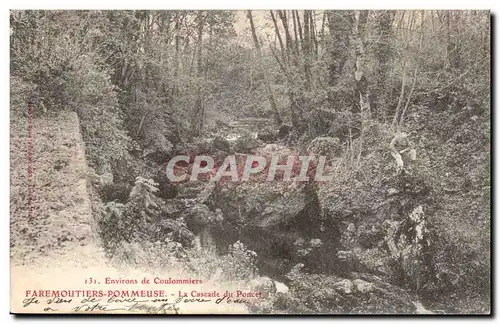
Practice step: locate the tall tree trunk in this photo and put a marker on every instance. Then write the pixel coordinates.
(295, 110)
(362, 89)
(401, 95)
(299, 26)
(270, 96)
(205, 77)
(295, 31)
(453, 47)
(288, 37)
(278, 34)
(384, 55)
(307, 36)
(199, 73)
(313, 33)
(175, 90)
(406, 35)
(306, 48)
(340, 24)
(323, 22)
(415, 72)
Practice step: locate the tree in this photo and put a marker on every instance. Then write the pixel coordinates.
(340, 24)
(272, 102)
(362, 89)
(384, 52)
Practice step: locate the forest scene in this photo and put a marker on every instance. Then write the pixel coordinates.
(398, 101)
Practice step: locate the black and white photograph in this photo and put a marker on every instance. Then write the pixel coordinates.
(277, 162)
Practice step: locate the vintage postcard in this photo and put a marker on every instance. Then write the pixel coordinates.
(250, 162)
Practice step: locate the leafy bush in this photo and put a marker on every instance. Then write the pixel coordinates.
(143, 218)
(239, 264)
(94, 98)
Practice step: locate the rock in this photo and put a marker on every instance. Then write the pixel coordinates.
(281, 210)
(370, 238)
(219, 144)
(219, 217)
(199, 216)
(281, 287)
(246, 144)
(391, 229)
(344, 255)
(231, 137)
(420, 309)
(206, 241)
(279, 214)
(175, 229)
(158, 148)
(265, 285)
(302, 252)
(295, 273)
(267, 135)
(275, 149)
(363, 286)
(284, 130)
(262, 204)
(106, 179)
(344, 286)
(315, 243)
(299, 242)
(363, 293)
(392, 191)
(417, 214)
(374, 260)
(219, 156)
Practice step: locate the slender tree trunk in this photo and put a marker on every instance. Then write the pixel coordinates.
(340, 24)
(270, 96)
(359, 75)
(384, 54)
(306, 41)
(453, 46)
(306, 49)
(205, 77)
(406, 45)
(288, 37)
(295, 31)
(401, 95)
(199, 73)
(415, 72)
(175, 90)
(323, 24)
(295, 110)
(299, 26)
(280, 40)
(313, 34)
